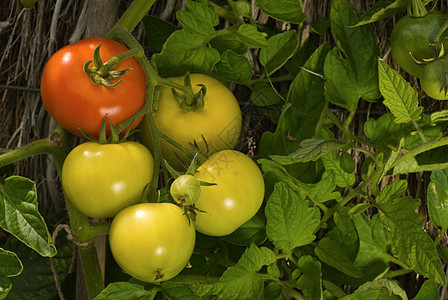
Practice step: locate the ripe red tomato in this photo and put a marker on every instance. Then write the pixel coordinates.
(73, 100)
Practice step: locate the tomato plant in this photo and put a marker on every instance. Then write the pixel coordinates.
(326, 203)
(417, 36)
(74, 100)
(152, 241)
(236, 197)
(218, 122)
(433, 79)
(101, 179)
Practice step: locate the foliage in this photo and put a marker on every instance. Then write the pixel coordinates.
(329, 223)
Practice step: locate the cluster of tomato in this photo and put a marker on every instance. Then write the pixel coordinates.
(418, 46)
(150, 241)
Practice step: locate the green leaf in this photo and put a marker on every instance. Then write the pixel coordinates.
(5, 287)
(438, 198)
(410, 244)
(125, 290)
(359, 46)
(157, 32)
(379, 289)
(323, 190)
(381, 10)
(339, 250)
(20, 216)
(233, 67)
(399, 96)
(280, 49)
(311, 150)
(310, 282)
(37, 280)
(249, 35)
(301, 113)
(321, 25)
(240, 281)
(273, 291)
(186, 51)
(340, 86)
(286, 10)
(290, 220)
(10, 264)
(253, 231)
(189, 291)
(199, 18)
(333, 162)
(229, 41)
(264, 95)
(428, 291)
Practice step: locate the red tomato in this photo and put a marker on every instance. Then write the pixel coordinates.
(73, 100)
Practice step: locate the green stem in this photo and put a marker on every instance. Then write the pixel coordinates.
(133, 15)
(57, 144)
(285, 286)
(91, 269)
(439, 33)
(349, 136)
(419, 131)
(225, 13)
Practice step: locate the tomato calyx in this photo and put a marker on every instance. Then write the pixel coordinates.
(417, 9)
(115, 135)
(103, 73)
(190, 101)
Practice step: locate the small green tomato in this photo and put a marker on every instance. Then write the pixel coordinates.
(186, 189)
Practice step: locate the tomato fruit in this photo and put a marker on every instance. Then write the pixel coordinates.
(73, 100)
(433, 79)
(101, 179)
(152, 241)
(236, 197)
(219, 121)
(185, 189)
(414, 35)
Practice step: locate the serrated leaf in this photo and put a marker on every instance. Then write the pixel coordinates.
(358, 209)
(189, 291)
(20, 216)
(339, 250)
(311, 150)
(199, 18)
(332, 162)
(324, 190)
(310, 282)
(413, 246)
(359, 46)
(37, 280)
(185, 51)
(249, 35)
(125, 290)
(409, 164)
(381, 10)
(233, 67)
(10, 264)
(378, 289)
(438, 198)
(240, 281)
(301, 113)
(285, 10)
(280, 49)
(399, 96)
(290, 220)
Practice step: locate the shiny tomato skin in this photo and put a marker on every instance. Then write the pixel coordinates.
(433, 79)
(219, 122)
(73, 100)
(102, 179)
(236, 197)
(152, 242)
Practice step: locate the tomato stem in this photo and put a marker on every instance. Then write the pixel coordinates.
(133, 15)
(416, 8)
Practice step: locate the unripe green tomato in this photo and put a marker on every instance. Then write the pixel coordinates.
(433, 80)
(186, 189)
(236, 197)
(102, 179)
(152, 242)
